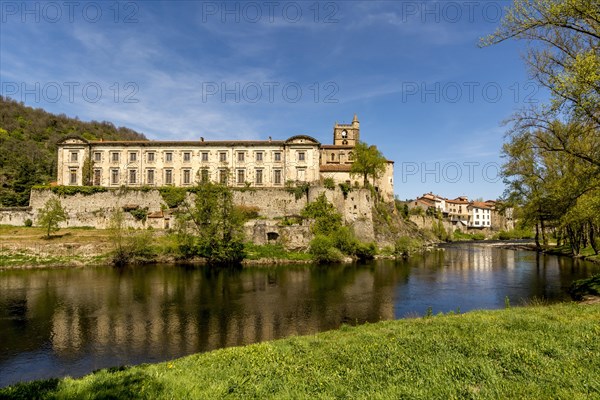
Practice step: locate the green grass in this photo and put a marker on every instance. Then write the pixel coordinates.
(548, 352)
(273, 251)
(458, 235)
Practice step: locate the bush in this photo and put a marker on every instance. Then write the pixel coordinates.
(345, 241)
(346, 188)
(322, 250)
(172, 195)
(327, 219)
(405, 246)
(248, 212)
(514, 234)
(329, 183)
(366, 251)
(73, 190)
(28, 222)
(140, 214)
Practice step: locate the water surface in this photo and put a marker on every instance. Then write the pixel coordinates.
(62, 322)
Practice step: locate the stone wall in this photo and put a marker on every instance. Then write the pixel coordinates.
(95, 210)
(16, 216)
(427, 222)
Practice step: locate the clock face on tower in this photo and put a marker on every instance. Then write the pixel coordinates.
(344, 134)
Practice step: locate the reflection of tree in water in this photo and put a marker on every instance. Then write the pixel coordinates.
(116, 316)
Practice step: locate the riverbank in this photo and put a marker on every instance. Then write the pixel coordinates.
(525, 244)
(29, 248)
(529, 352)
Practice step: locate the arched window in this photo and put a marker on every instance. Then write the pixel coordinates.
(350, 156)
(332, 156)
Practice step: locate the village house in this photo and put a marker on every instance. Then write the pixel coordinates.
(244, 163)
(463, 213)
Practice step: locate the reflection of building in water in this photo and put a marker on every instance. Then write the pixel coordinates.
(170, 312)
(477, 258)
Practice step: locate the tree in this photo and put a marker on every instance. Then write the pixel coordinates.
(368, 162)
(553, 150)
(211, 227)
(564, 57)
(51, 215)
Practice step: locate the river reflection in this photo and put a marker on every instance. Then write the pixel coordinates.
(71, 322)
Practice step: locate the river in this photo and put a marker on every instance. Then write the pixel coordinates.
(59, 322)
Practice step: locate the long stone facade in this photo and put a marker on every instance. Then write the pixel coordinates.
(258, 164)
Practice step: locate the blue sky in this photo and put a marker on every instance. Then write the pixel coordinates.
(424, 92)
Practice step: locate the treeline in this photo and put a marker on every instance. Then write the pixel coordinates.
(28, 151)
(553, 150)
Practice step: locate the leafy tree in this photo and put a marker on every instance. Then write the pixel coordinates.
(28, 151)
(564, 57)
(327, 219)
(128, 246)
(368, 163)
(553, 150)
(51, 215)
(211, 227)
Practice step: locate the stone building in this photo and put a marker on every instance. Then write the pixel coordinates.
(255, 163)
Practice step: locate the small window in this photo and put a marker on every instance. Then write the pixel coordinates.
(277, 176)
(132, 157)
(97, 177)
(277, 156)
(204, 156)
(187, 156)
(150, 177)
(97, 156)
(204, 175)
(301, 156)
(186, 176)
(332, 156)
(168, 176)
(151, 157)
(223, 177)
(241, 156)
(169, 157)
(241, 176)
(259, 156)
(73, 156)
(222, 157)
(115, 157)
(132, 175)
(73, 177)
(259, 176)
(114, 176)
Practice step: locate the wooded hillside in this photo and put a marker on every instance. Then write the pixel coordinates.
(28, 139)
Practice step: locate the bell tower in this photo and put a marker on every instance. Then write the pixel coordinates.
(346, 134)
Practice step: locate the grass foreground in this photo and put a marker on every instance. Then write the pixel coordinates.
(543, 352)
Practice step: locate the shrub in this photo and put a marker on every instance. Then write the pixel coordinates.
(140, 214)
(345, 241)
(327, 219)
(329, 183)
(298, 189)
(248, 212)
(346, 188)
(73, 190)
(172, 195)
(405, 246)
(366, 251)
(322, 250)
(28, 222)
